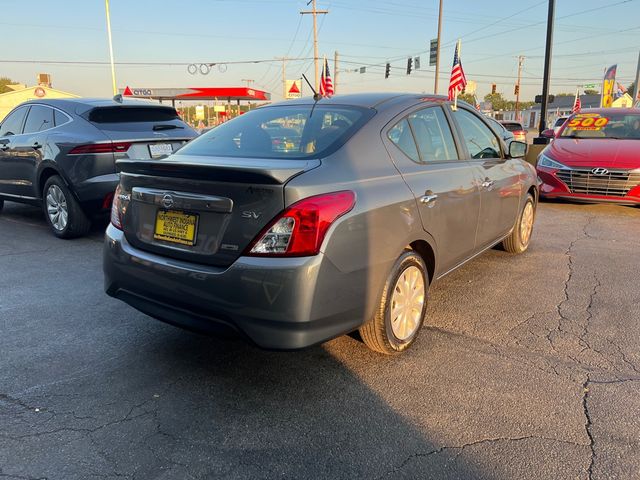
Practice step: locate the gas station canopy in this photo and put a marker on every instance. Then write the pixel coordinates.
(199, 93)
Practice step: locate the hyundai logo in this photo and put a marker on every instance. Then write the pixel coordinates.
(167, 201)
(600, 171)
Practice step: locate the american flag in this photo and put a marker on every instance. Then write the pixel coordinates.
(577, 105)
(326, 85)
(458, 80)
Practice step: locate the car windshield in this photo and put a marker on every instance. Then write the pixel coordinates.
(513, 127)
(619, 125)
(286, 132)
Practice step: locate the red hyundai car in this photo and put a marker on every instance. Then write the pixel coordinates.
(595, 157)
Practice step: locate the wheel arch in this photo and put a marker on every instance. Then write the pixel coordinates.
(427, 252)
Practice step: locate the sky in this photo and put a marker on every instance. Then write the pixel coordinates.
(589, 35)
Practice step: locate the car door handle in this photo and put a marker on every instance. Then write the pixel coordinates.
(426, 199)
(37, 145)
(4, 144)
(488, 184)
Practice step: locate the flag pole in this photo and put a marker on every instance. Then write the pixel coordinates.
(455, 94)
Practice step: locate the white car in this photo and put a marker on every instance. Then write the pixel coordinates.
(559, 122)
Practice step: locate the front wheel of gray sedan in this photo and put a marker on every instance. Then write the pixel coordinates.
(400, 315)
(518, 240)
(62, 210)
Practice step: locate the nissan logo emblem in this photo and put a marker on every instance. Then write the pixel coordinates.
(167, 201)
(600, 171)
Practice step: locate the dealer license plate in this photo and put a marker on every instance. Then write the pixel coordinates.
(176, 227)
(160, 149)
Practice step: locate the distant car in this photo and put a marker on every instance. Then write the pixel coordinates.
(61, 153)
(594, 158)
(519, 133)
(558, 125)
(382, 195)
(501, 130)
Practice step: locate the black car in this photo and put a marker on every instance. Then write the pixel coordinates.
(61, 153)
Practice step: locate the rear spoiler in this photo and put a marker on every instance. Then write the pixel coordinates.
(240, 170)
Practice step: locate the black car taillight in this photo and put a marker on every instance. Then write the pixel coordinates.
(111, 147)
(301, 228)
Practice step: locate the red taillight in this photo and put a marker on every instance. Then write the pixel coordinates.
(116, 209)
(300, 230)
(519, 133)
(111, 147)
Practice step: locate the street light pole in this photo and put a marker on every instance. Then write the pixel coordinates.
(113, 68)
(435, 88)
(547, 71)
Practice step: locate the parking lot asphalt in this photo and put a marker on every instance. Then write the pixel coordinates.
(528, 368)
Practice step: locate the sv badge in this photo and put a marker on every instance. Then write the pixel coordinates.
(251, 214)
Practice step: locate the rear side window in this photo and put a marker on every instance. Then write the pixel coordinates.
(59, 118)
(401, 135)
(479, 139)
(12, 124)
(39, 118)
(126, 114)
(288, 132)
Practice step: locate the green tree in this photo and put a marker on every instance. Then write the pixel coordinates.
(4, 81)
(565, 94)
(467, 97)
(498, 101)
(591, 91)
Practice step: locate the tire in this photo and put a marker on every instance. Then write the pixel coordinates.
(57, 199)
(1, 204)
(518, 240)
(381, 333)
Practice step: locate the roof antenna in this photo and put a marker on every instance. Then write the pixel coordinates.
(117, 98)
(316, 95)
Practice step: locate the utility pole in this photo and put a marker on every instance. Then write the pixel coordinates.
(636, 90)
(248, 80)
(520, 63)
(435, 88)
(284, 76)
(315, 14)
(113, 68)
(547, 73)
(335, 72)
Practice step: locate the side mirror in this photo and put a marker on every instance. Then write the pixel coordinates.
(549, 133)
(517, 149)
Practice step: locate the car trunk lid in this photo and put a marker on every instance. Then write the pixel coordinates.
(203, 209)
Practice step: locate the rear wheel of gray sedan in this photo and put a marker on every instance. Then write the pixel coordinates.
(400, 314)
(62, 211)
(518, 240)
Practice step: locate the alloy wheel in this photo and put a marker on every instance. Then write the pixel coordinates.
(57, 208)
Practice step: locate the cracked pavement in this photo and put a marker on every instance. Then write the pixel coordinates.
(528, 368)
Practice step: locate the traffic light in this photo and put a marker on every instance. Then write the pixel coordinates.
(409, 65)
(493, 88)
(387, 70)
(516, 90)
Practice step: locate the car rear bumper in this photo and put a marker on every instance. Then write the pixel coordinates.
(277, 303)
(95, 193)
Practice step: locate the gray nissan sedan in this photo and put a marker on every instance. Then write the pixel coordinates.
(373, 198)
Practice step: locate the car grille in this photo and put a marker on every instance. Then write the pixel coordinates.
(616, 183)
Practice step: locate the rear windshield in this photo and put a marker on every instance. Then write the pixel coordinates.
(613, 124)
(288, 132)
(512, 127)
(125, 114)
